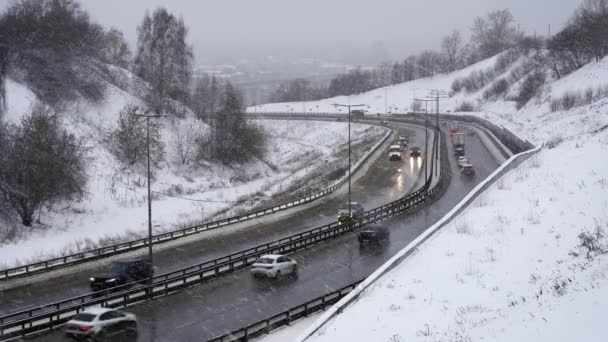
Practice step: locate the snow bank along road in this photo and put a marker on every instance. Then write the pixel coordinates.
(234, 301)
(374, 188)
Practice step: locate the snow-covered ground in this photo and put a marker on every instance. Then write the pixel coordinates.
(508, 268)
(511, 267)
(115, 207)
(398, 97)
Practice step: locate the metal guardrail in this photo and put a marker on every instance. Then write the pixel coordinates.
(265, 326)
(103, 252)
(50, 315)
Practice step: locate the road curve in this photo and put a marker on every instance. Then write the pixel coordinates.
(228, 303)
(380, 184)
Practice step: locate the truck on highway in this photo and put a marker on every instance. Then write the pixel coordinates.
(458, 142)
(458, 139)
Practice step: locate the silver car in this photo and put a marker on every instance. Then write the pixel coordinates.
(97, 324)
(274, 266)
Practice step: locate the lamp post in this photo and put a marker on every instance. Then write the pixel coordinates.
(426, 151)
(349, 106)
(148, 117)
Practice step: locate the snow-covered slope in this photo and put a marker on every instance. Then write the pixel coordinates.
(399, 97)
(115, 207)
(511, 266)
(508, 268)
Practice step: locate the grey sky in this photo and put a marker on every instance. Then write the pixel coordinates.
(243, 27)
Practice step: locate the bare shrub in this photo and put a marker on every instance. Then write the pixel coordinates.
(426, 332)
(497, 89)
(589, 96)
(457, 85)
(556, 105)
(554, 141)
(569, 100)
(395, 338)
(593, 243)
(465, 107)
(535, 162)
(463, 227)
(530, 88)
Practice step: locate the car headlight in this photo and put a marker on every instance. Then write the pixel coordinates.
(111, 280)
(92, 279)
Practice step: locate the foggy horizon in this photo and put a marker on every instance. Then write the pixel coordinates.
(233, 30)
(338, 31)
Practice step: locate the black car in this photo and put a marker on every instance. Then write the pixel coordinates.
(415, 152)
(373, 234)
(122, 272)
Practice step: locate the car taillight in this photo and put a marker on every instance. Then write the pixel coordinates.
(67, 326)
(85, 328)
(373, 235)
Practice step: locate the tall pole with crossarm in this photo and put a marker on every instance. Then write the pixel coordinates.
(349, 106)
(148, 117)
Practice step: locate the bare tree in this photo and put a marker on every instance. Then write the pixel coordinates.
(163, 58)
(428, 63)
(495, 33)
(232, 137)
(40, 163)
(451, 46)
(49, 45)
(130, 137)
(185, 134)
(116, 48)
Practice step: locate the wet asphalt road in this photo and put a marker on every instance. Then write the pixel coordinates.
(229, 303)
(381, 184)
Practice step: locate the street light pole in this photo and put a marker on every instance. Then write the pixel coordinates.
(349, 106)
(426, 133)
(150, 255)
(149, 195)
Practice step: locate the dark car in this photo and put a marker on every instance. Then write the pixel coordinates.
(373, 234)
(415, 152)
(356, 210)
(467, 169)
(403, 141)
(458, 151)
(122, 272)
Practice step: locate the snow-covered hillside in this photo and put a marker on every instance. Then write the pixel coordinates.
(115, 207)
(508, 268)
(533, 116)
(512, 266)
(398, 97)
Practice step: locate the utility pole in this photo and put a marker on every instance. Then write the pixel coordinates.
(349, 106)
(148, 117)
(386, 101)
(436, 95)
(426, 134)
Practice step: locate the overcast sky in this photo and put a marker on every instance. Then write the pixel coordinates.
(243, 27)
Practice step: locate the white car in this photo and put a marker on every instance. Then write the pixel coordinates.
(462, 161)
(96, 324)
(394, 152)
(274, 266)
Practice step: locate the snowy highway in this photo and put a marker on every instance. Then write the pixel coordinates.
(234, 301)
(380, 184)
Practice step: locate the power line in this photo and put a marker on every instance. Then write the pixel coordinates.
(209, 201)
